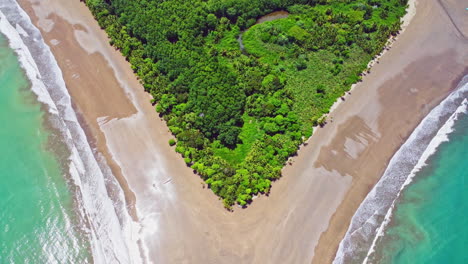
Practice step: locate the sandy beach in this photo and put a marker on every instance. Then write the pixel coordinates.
(309, 209)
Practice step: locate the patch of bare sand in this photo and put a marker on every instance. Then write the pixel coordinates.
(183, 223)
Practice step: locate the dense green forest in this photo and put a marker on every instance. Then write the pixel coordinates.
(239, 114)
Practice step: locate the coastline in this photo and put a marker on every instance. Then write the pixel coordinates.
(178, 220)
(103, 221)
(423, 203)
(376, 210)
(447, 38)
(66, 63)
(32, 183)
(441, 137)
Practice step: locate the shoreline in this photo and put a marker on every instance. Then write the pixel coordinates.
(420, 183)
(178, 220)
(93, 134)
(34, 168)
(102, 226)
(403, 166)
(450, 40)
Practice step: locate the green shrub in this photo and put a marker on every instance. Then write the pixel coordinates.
(172, 142)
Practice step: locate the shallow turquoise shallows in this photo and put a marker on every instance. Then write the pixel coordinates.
(37, 220)
(430, 223)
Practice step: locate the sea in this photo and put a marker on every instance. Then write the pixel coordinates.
(59, 202)
(418, 211)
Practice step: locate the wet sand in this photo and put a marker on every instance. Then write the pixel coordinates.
(312, 204)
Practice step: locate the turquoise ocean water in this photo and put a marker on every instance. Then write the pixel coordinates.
(430, 221)
(37, 220)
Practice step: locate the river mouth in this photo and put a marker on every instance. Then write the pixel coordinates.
(269, 17)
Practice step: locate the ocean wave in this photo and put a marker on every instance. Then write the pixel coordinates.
(374, 213)
(109, 227)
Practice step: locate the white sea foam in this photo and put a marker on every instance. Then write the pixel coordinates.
(369, 222)
(21, 31)
(27, 62)
(110, 228)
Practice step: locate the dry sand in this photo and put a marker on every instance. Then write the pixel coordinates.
(312, 204)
